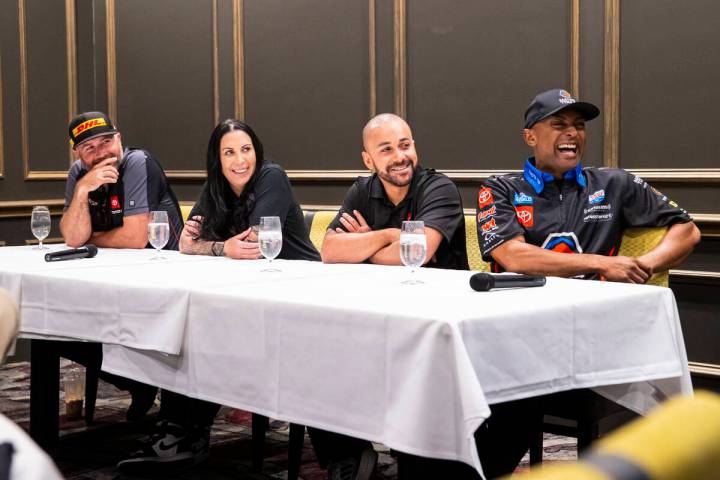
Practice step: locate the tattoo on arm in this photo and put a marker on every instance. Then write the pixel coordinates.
(199, 247)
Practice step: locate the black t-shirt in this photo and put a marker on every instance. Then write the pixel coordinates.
(432, 198)
(586, 212)
(273, 197)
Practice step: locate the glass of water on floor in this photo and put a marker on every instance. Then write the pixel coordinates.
(158, 232)
(413, 247)
(40, 225)
(270, 238)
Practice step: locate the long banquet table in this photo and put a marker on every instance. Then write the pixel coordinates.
(349, 348)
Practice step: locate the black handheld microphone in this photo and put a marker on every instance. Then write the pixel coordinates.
(86, 251)
(482, 282)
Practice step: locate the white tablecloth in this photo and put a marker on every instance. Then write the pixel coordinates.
(349, 348)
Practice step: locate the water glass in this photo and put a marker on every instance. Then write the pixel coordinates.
(40, 225)
(158, 232)
(270, 238)
(413, 247)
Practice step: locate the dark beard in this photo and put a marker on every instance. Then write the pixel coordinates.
(388, 177)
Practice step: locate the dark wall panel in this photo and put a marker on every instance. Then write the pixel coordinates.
(591, 75)
(307, 80)
(669, 78)
(165, 78)
(46, 38)
(473, 68)
(700, 318)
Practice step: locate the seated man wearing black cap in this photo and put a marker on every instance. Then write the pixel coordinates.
(526, 221)
(109, 194)
(110, 191)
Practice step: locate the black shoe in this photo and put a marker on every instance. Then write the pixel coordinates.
(354, 468)
(170, 447)
(143, 398)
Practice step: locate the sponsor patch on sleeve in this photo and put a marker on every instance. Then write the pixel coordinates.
(485, 197)
(525, 215)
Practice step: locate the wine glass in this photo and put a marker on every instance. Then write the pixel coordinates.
(158, 232)
(270, 237)
(40, 225)
(413, 247)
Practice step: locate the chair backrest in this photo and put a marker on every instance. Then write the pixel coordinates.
(317, 222)
(473, 247)
(185, 211)
(637, 241)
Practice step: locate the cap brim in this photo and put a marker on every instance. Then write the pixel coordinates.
(94, 136)
(588, 111)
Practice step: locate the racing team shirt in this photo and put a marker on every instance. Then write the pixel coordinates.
(432, 198)
(141, 188)
(585, 212)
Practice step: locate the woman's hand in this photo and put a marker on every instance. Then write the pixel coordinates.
(240, 247)
(190, 234)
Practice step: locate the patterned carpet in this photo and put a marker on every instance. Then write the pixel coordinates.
(90, 453)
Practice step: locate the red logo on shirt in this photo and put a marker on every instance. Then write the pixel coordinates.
(489, 225)
(114, 202)
(409, 217)
(525, 215)
(485, 197)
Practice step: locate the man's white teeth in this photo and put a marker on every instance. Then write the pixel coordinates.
(568, 146)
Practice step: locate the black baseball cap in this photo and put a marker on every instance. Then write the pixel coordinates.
(89, 125)
(552, 101)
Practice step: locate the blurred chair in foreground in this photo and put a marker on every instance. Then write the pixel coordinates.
(20, 457)
(680, 440)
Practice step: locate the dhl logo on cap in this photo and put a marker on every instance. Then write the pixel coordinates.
(87, 125)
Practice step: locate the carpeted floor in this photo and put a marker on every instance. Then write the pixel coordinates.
(86, 453)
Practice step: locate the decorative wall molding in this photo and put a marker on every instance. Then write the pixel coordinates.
(611, 84)
(2, 128)
(110, 29)
(239, 57)
(695, 274)
(71, 54)
(400, 49)
(575, 48)
(372, 57)
(23, 208)
(707, 369)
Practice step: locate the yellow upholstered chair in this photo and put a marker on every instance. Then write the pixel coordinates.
(317, 223)
(185, 211)
(680, 440)
(473, 247)
(637, 241)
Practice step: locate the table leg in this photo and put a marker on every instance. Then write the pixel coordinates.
(260, 425)
(295, 446)
(44, 391)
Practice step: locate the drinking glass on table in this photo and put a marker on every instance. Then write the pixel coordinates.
(40, 225)
(158, 232)
(270, 238)
(413, 247)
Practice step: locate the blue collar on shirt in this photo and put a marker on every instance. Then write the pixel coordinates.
(538, 178)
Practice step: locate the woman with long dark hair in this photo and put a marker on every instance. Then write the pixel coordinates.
(241, 187)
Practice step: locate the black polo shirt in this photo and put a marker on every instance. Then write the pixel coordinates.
(274, 198)
(432, 198)
(586, 212)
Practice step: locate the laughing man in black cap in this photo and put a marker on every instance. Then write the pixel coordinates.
(526, 221)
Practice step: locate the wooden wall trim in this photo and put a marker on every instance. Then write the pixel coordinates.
(677, 175)
(707, 369)
(23, 208)
(575, 48)
(400, 48)
(215, 63)
(611, 83)
(239, 57)
(72, 87)
(696, 274)
(372, 57)
(2, 128)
